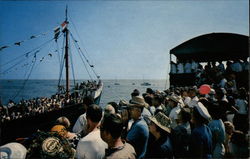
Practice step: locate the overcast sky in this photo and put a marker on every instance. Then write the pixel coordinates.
(123, 39)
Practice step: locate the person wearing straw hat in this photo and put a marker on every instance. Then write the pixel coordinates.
(138, 133)
(174, 103)
(159, 144)
(201, 137)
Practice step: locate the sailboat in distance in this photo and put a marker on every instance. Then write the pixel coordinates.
(145, 83)
(66, 101)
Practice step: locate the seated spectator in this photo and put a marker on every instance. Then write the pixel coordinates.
(111, 131)
(138, 133)
(92, 146)
(159, 144)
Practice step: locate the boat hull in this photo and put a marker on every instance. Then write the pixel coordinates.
(25, 127)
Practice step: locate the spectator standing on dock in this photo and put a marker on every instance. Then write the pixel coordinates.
(92, 146)
(174, 103)
(181, 134)
(81, 123)
(241, 117)
(201, 137)
(111, 130)
(159, 144)
(194, 99)
(218, 132)
(138, 134)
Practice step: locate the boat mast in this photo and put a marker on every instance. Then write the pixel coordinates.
(67, 54)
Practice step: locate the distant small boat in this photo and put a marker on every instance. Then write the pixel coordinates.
(133, 83)
(117, 83)
(145, 84)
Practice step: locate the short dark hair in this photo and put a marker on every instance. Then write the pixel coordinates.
(88, 100)
(112, 123)
(94, 113)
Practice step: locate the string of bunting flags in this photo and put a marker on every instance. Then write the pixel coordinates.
(56, 34)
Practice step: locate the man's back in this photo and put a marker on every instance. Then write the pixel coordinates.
(91, 146)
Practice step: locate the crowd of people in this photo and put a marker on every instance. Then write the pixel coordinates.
(215, 73)
(179, 122)
(40, 105)
(190, 66)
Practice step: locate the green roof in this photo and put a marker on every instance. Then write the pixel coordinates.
(213, 47)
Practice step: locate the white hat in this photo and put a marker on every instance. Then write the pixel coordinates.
(13, 150)
(203, 111)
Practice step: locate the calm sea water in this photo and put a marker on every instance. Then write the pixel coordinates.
(45, 88)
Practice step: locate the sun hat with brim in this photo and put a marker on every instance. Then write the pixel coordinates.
(203, 111)
(137, 101)
(52, 146)
(13, 150)
(162, 121)
(174, 98)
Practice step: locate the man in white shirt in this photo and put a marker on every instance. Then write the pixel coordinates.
(174, 103)
(92, 146)
(81, 123)
(194, 98)
(173, 67)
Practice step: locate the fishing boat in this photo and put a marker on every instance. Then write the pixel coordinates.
(145, 84)
(71, 97)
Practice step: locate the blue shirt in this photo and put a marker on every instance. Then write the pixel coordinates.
(201, 137)
(138, 137)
